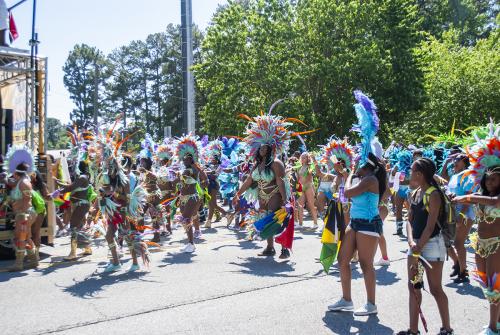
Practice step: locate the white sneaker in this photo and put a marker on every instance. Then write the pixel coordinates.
(197, 234)
(188, 248)
(342, 306)
(488, 331)
(382, 262)
(367, 309)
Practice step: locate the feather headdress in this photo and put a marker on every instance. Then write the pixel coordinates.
(187, 145)
(19, 154)
(368, 123)
(149, 147)
(404, 161)
(341, 149)
(164, 152)
(485, 153)
(270, 130)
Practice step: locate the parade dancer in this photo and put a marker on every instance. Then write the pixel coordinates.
(81, 196)
(305, 170)
(268, 138)
(365, 226)
(191, 180)
(120, 202)
(20, 163)
(484, 157)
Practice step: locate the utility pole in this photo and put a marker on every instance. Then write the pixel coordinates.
(96, 96)
(188, 111)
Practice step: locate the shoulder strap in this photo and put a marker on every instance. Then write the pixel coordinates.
(427, 195)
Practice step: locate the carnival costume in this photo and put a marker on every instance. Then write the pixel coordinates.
(121, 201)
(484, 154)
(271, 131)
(16, 155)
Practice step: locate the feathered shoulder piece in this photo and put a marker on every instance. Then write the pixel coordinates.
(485, 153)
(187, 145)
(270, 130)
(404, 161)
(341, 149)
(19, 154)
(368, 123)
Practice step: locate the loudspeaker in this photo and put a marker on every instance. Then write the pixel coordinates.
(6, 129)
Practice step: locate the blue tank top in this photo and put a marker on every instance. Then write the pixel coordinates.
(365, 206)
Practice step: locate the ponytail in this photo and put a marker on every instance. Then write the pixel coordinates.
(375, 165)
(428, 170)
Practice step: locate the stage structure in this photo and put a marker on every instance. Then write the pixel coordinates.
(23, 108)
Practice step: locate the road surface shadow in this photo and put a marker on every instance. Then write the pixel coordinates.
(244, 245)
(467, 289)
(385, 277)
(91, 286)
(6, 276)
(265, 267)
(177, 258)
(344, 323)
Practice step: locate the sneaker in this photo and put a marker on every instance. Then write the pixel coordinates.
(134, 267)
(488, 331)
(112, 268)
(407, 332)
(285, 253)
(498, 326)
(342, 306)
(367, 309)
(443, 331)
(268, 252)
(197, 234)
(382, 262)
(462, 278)
(188, 248)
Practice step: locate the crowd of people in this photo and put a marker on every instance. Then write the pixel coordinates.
(437, 194)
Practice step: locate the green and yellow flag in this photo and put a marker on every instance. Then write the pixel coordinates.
(334, 221)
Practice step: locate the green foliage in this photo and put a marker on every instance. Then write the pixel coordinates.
(462, 84)
(84, 71)
(56, 134)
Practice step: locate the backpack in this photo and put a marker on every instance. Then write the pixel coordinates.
(446, 219)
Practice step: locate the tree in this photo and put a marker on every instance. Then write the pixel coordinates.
(85, 68)
(461, 84)
(56, 134)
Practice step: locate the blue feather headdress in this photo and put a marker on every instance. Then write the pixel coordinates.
(368, 123)
(148, 147)
(405, 160)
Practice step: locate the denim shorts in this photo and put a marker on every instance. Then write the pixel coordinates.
(469, 214)
(371, 226)
(434, 250)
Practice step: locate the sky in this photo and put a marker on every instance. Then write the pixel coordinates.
(105, 24)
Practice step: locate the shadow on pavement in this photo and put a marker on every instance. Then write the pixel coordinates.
(6, 276)
(244, 245)
(467, 289)
(265, 267)
(91, 286)
(385, 277)
(176, 258)
(344, 323)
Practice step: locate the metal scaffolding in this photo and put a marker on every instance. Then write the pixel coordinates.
(16, 69)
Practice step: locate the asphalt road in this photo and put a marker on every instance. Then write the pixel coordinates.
(224, 288)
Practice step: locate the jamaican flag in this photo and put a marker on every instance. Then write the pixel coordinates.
(334, 223)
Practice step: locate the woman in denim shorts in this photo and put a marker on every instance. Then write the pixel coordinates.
(426, 242)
